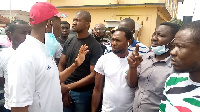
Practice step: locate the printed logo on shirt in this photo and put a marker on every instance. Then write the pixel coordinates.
(48, 67)
(126, 72)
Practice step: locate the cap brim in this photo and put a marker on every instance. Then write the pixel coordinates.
(62, 15)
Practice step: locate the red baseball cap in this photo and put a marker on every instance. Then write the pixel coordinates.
(42, 11)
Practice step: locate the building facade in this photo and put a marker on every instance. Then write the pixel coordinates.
(148, 13)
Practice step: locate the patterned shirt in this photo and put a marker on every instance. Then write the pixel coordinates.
(152, 75)
(143, 49)
(181, 94)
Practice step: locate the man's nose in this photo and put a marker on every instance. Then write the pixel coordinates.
(154, 37)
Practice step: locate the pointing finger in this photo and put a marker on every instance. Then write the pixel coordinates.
(137, 50)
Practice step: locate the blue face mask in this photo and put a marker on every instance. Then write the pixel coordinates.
(51, 44)
(159, 50)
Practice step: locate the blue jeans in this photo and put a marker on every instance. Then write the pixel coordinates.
(3, 109)
(81, 101)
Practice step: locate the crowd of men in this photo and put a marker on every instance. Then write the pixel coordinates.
(44, 70)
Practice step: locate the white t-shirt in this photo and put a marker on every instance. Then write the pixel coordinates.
(117, 95)
(34, 79)
(5, 55)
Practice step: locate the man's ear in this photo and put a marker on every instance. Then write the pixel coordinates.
(88, 24)
(129, 42)
(49, 26)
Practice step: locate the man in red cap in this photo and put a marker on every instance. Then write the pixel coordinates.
(33, 80)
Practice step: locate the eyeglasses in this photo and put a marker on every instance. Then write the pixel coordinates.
(100, 30)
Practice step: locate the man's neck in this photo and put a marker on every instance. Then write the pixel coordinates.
(195, 77)
(39, 35)
(163, 56)
(83, 34)
(64, 38)
(123, 54)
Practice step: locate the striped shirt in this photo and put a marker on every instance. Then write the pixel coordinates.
(143, 49)
(181, 94)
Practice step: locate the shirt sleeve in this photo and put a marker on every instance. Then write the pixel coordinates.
(96, 54)
(1, 65)
(1, 72)
(21, 81)
(58, 52)
(99, 65)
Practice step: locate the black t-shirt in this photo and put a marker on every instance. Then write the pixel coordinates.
(61, 42)
(71, 49)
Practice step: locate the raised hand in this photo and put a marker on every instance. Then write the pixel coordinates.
(135, 59)
(81, 55)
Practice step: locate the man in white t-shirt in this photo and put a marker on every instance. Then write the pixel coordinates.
(18, 29)
(33, 79)
(117, 95)
(130, 24)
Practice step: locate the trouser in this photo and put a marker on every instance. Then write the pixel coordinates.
(3, 109)
(81, 101)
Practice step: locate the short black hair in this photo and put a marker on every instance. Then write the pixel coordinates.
(13, 24)
(86, 15)
(174, 27)
(194, 27)
(131, 21)
(64, 22)
(127, 32)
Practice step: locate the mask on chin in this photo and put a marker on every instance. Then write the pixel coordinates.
(159, 50)
(51, 43)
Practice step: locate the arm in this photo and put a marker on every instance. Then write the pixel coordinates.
(84, 81)
(62, 63)
(19, 109)
(78, 61)
(81, 83)
(96, 96)
(133, 60)
(2, 80)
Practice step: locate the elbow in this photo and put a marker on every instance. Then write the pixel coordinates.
(131, 85)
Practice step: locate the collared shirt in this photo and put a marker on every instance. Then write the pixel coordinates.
(143, 49)
(152, 75)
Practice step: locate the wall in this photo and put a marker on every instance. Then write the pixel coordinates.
(144, 16)
(102, 2)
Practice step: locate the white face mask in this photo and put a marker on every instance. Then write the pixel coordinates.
(51, 44)
(159, 50)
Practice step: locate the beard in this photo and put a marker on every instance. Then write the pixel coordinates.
(194, 67)
(118, 52)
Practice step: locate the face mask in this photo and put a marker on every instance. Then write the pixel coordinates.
(51, 44)
(159, 50)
